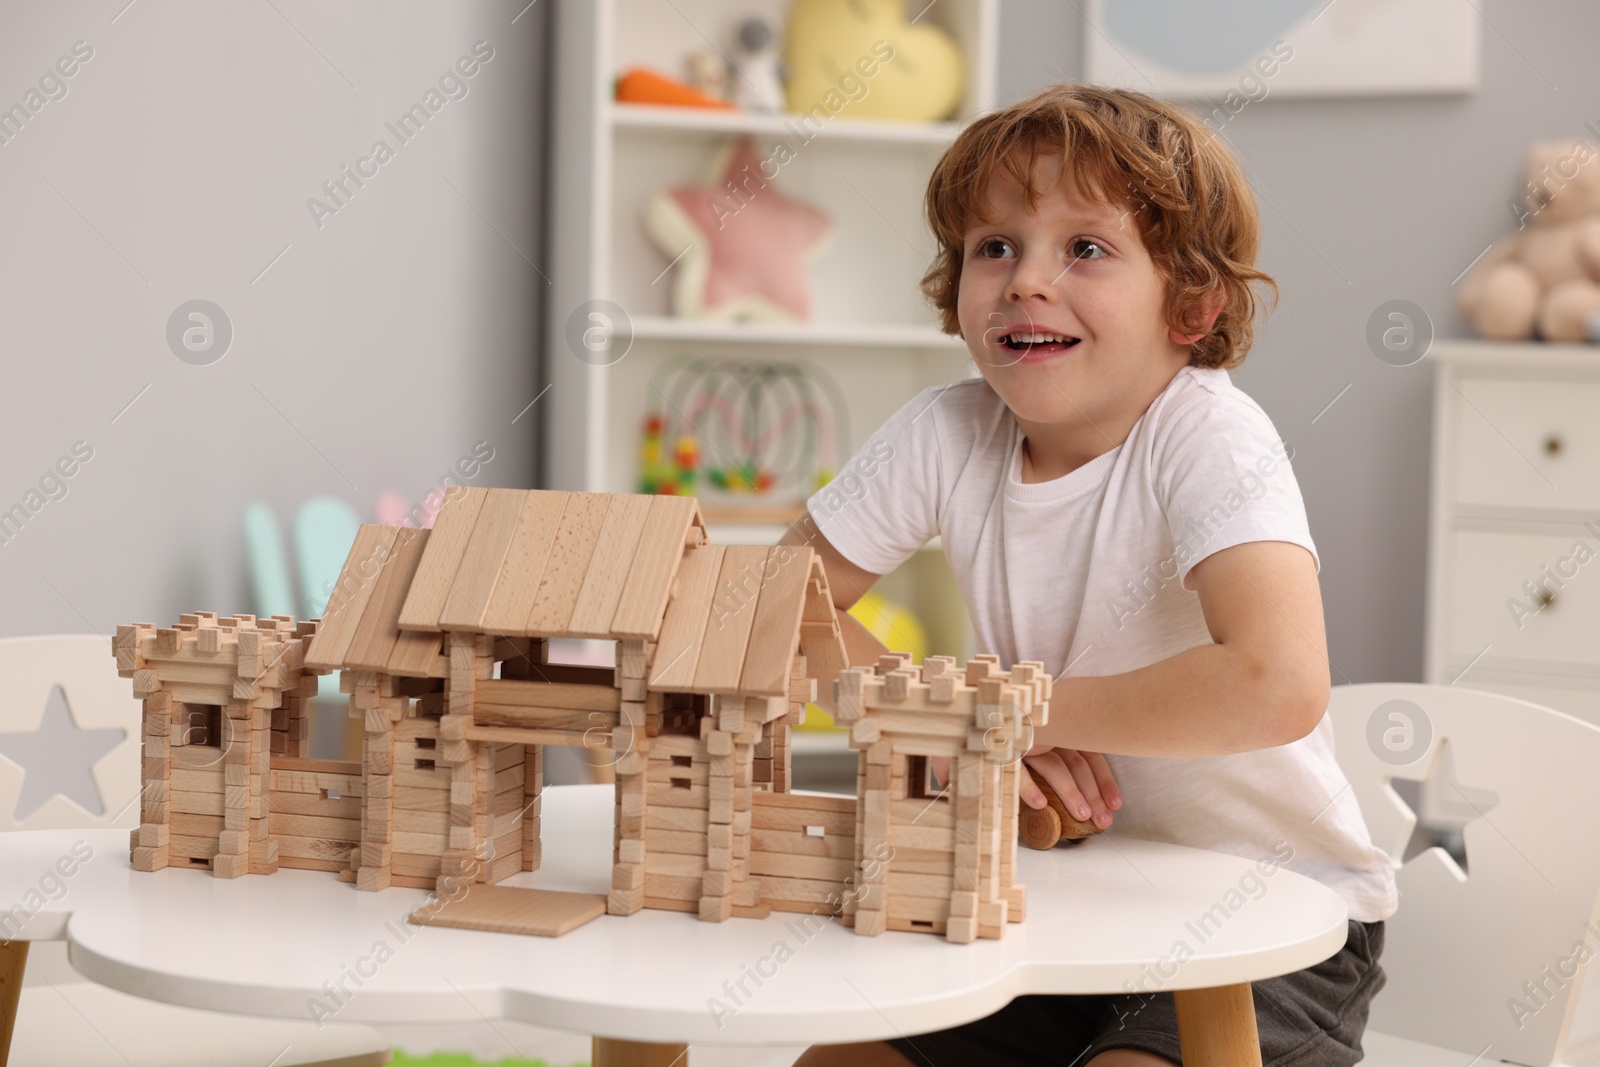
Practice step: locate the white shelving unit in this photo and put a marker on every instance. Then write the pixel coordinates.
(871, 331)
(1515, 487)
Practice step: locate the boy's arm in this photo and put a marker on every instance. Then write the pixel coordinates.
(847, 583)
(1262, 682)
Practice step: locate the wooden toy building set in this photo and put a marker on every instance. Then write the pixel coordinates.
(714, 649)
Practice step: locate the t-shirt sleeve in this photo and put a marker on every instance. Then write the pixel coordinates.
(1224, 478)
(883, 505)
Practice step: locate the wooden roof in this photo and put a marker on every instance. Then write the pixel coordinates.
(536, 563)
(360, 627)
(737, 616)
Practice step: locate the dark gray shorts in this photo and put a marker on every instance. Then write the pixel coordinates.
(1313, 1017)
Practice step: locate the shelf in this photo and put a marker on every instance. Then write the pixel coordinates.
(1515, 355)
(713, 121)
(669, 328)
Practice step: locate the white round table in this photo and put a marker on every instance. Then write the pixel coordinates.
(1109, 915)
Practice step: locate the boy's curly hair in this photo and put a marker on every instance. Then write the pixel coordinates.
(1191, 202)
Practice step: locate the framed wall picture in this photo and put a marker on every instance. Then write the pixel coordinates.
(1254, 48)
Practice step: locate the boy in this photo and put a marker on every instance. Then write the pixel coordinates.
(1113, 506)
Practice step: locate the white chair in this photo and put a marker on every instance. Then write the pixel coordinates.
(61, 1018)
(1462, 945)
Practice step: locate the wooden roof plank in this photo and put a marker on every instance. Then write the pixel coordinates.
(821, 645)
(608, 570)
(357, 579)
(442, 558)
(655, 564)
(467, 600)
(684, 625)
(568, 564)
(380, 622)
(775, 633)
(508, 608)
(729, 621)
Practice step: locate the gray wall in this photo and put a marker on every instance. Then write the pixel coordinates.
(371, 356)
(1365, 201)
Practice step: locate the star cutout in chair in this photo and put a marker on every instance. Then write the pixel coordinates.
(1451, 805)
(58, 759)
(740, 246)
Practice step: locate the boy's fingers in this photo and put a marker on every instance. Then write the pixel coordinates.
(1094, 808)
(1029, 790)
(1108, 784)
(1050, 766)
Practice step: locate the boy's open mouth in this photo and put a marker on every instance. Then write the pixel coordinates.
(1037, 341)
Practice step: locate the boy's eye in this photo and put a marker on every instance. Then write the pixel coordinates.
(1086, 248)
(995, 248)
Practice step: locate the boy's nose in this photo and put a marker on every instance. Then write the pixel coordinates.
(1034, 277)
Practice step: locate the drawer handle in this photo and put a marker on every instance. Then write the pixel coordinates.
(1553, 445)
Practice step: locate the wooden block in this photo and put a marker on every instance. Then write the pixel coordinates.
(777, 620)
(230, 866)
(727, 632)
(358, 579)
(147, 858)
(655, 559)
(687, 617)
(716, 909)
(441, 559)
(614, 551)
(467, 600)
(568, 564)
(627, 876)
(505, 909)
(625, 901)
(371, 879)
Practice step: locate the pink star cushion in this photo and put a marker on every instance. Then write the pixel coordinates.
(743, 245)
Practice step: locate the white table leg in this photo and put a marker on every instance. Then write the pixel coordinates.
(1217, 1027)
(13, 959)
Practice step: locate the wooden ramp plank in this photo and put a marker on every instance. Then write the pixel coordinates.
(514, 910)
(608, 567)
(508, 608)
(661, 548)
(380, 623)
(728, 624)
(684, 625)
(775, 634)
(567, 566)
(441, 559)
(357, 580)
(481, 560)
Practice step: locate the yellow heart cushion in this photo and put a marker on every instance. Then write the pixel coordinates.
(861, 58)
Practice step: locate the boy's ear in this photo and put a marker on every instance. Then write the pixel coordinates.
(1209, 312)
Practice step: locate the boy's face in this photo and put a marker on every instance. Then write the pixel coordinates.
(1062, 308)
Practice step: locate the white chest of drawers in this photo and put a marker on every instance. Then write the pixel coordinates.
(1514, 537)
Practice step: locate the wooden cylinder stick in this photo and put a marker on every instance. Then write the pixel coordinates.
(1217, 1026)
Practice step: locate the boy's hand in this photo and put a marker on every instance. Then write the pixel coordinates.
(1082, 780)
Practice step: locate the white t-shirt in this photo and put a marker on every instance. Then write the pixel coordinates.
(1086, 573)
